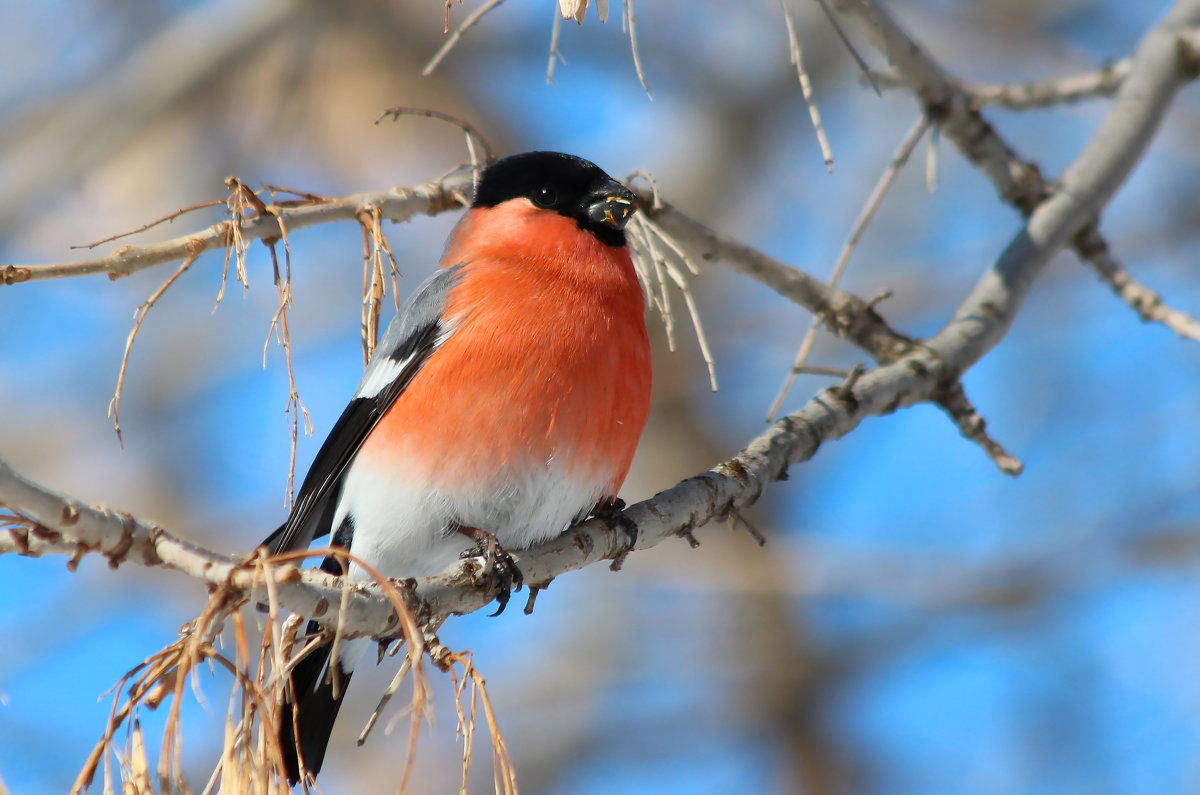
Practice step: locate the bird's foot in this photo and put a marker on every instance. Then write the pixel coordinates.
(611, 511)
(498, 565)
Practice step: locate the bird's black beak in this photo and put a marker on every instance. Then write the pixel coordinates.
(612, 206)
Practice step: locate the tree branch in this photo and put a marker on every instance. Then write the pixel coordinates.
(948, 105)
(1035, 93)
(1145, 301)
(1055, 91)
(395, 204)
(845, 314)
(1167, 58)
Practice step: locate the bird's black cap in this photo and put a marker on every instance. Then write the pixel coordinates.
(569, 185)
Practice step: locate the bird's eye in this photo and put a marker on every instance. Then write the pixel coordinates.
(545, 197)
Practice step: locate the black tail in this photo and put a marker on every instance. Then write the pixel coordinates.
(309, 705)
(307, 721)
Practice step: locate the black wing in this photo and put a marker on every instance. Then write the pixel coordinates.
(409, 342)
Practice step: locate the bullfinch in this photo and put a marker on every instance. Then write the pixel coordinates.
(503, 404)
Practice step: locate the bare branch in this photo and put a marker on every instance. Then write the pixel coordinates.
(947, 105)
(846, 315)
(629, 21)
(151, 224)
(114, 406)
(395, 204)
(797, 57)
(555, 55)
(1058, 91)
(653, 267)
(953, 400)
(472, 132)
(1146, 302)
(865, 71)
(295, 407)
(1062, 90)
(453, 38)
(1032, 94)
(1166, 60)
(886, 180)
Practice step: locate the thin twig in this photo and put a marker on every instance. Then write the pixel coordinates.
(754, 532)
(953, 400)
(1143, 300)
(470, 129)
(845, 314)
(114, 406)
(240, 196)
(339, 631)
(152, 224)
(694, 313)
(555, 55)
(931, 160)
(832, 372)
(841, 34)
(306, 197)
(629, 22)
(279, 325)
(645, 251)
(1055, 91)
(649, 259)
(797, 57)
(656, 203)
(885, 182)
(373, 281)
(504, 774)
(390, 691)
(457, 34)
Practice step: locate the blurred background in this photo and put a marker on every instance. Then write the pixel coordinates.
(916, 623)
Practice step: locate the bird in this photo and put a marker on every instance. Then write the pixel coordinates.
(503, 404)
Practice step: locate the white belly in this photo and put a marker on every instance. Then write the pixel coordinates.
(406, 529)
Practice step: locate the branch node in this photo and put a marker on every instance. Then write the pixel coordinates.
(20, 537)
(737, 470)
(70, 515)
(844, 392)
(321, 608)
(534, 590)
(81, 549)
(150, 550)
(749, 528)
(439, 655)
(117, 554)
(953, 400)
(14, 274)
(1091, 246)
(45, 533)
(686, 533)
(878, 299)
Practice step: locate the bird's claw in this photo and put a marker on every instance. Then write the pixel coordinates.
(612, 513)
(498, 565)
